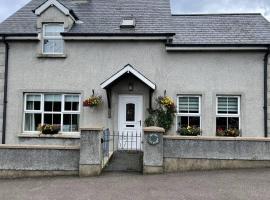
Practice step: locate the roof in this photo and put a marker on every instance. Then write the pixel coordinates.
(128, 69)
(100, 16)
(152, 17)
(221, 29)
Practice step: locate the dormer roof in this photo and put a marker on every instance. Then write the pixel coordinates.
(61, 7)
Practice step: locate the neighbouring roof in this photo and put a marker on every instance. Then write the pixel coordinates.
(221, 29)
(152, 17)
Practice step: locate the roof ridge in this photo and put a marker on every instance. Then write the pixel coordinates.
(214, 14)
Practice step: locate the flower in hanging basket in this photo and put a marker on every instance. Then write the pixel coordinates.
(93, 101)
(167, 102)
(48, 129)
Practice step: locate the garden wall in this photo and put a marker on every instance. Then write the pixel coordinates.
(36, 160)
(202, 153)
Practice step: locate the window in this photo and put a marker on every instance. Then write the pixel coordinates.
(188, 112)
(128, 23)
(228, 113)
(53, 42)
(57, 109)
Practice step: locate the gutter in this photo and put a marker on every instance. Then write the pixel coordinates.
(119, 34)
(266, 92)
(5, 89)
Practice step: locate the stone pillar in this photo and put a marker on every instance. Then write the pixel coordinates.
(90, 152)
(153, 150)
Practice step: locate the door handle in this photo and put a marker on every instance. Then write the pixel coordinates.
(140, 122)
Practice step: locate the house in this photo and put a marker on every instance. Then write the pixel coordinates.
(54, 54)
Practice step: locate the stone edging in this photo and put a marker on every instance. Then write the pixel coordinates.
(252, 139)
(51, 147)
(153, 129)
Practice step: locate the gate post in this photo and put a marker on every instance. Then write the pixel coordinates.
(153, 150)
(90, 152)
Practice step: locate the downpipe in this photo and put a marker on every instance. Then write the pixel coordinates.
(5, 89)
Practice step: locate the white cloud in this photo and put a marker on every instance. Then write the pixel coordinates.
(221, 6)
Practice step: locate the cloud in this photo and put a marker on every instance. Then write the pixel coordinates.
(8, 7)
(221, 6)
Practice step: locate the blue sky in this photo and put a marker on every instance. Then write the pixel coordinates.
(7, 7)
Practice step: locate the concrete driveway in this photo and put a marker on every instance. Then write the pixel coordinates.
(216, 185)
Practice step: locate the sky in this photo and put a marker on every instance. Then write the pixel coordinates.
(8, 7)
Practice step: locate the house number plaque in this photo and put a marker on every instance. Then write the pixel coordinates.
(153, 139)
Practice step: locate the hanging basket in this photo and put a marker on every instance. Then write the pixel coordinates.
(93, 101)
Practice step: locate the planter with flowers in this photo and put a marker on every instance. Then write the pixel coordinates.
(231, 132)
(48, 129)
(93, 101)
(189, 131)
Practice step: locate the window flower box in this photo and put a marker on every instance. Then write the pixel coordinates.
(189, 131)
(231, 132)
(48, 129)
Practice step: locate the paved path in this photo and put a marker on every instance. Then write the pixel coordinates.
(211, 185)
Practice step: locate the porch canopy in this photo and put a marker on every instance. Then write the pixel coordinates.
(127, 70)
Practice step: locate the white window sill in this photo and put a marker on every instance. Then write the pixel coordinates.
(52, 55)
(59, 135)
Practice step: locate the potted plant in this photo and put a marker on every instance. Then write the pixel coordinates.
(48, 129)
(189, 131)
(231, 132)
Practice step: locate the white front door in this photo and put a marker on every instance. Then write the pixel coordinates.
(130, 111)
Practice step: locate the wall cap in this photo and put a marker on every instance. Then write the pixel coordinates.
(57, 136)
(214, 138)
(92, 129)
(53, 147)
(153, 129)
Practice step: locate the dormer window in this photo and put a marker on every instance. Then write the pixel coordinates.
(53, 42)
(128, 23)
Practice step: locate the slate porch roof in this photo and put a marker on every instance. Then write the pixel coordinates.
(152, 17)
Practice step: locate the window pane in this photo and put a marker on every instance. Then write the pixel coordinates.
(33, 102)
(183, 104)
(189, 104)
(221, 123)
(72, 103)
(53, 29)
(53, 119)
(71, 123)
(227, 105)
(185, 121)
(233, 122)
(52, 103)
(32, 121)
(53, 46)
(130, 112)
(194, 122)
(232, 105)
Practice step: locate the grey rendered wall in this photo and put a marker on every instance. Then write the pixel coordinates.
(268, 99)
(89, 63)
(2, 74)
(181, 154)
(39, 158)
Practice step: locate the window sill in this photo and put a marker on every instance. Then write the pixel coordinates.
(52, 55)
(57, 136)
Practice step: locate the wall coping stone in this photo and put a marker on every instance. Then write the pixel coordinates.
(92, 129)
(57, 136)
(154, 129)
(251, 139)
(54, 147)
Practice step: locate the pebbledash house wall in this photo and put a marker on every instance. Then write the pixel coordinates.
(89, 63)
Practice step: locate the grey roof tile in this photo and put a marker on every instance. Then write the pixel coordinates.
(152, 16)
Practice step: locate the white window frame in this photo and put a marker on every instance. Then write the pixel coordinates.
(178, 114)
(238, 115)
(42, 112)
(44, 37)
